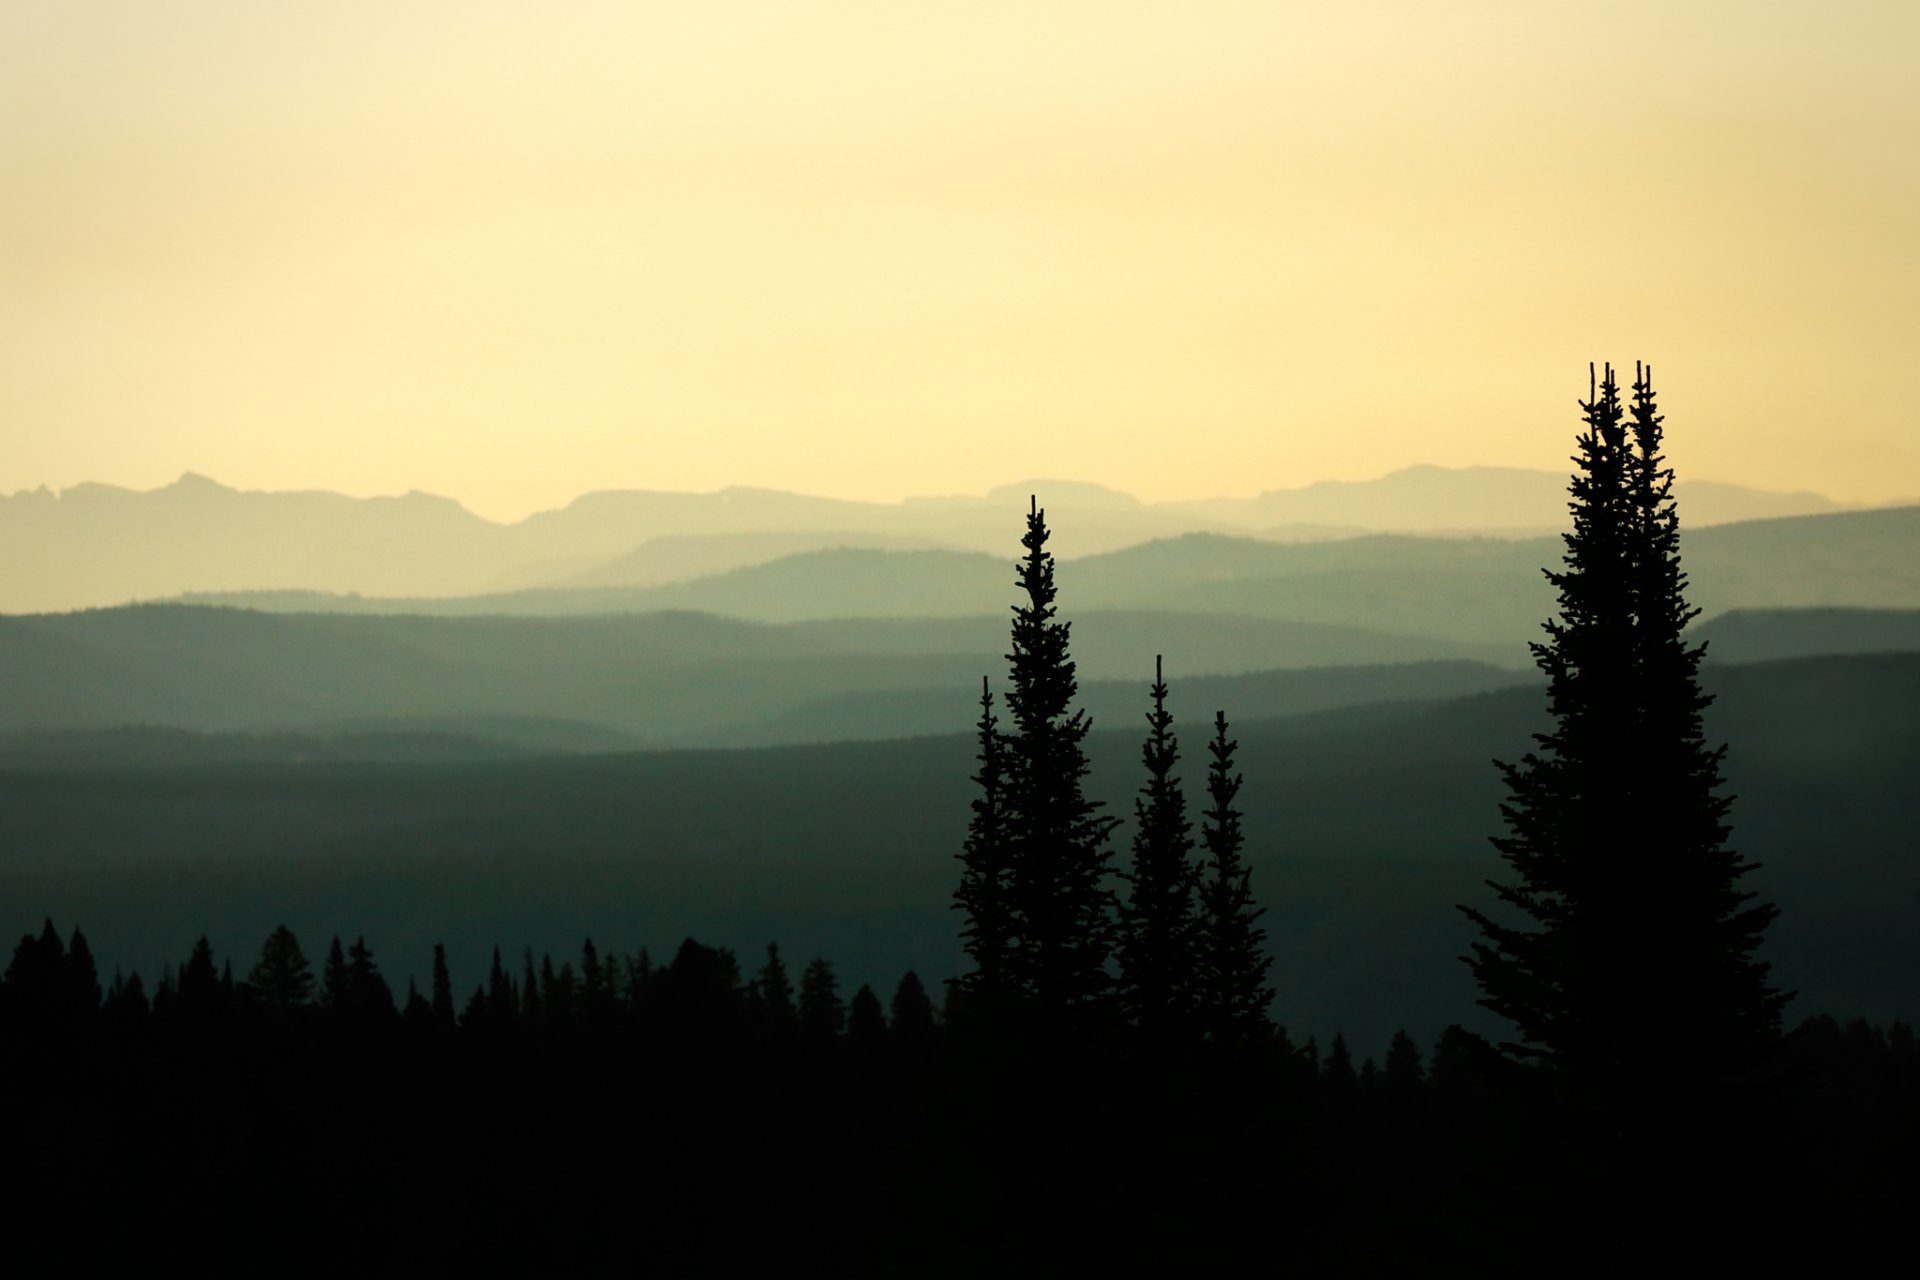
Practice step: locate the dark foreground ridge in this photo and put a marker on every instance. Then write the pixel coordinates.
(614, 1116)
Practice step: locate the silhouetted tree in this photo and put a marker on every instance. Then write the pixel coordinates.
(559, 994)
(418, 1014)
(126, 1002)
(1157, 935)
(80, 979)
(1338, 1070)
(336, 981)
(1403, 1062)
(696, 999)
(596, 990)
(823, 1016)
(36, 976)
(281, 978)
(1635, 955)
(1626, 962)
(778, 1016)
(866, 1023)
(1231, 956)
(478, 1014)
(501, 1003)
(1058, 905)
(988, 934)
(639, 982)
(370, 997)
(912, 1011)
(534, 984)
(442, 989)
(198, 995)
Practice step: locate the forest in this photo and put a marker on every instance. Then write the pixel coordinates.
(1108, 1083)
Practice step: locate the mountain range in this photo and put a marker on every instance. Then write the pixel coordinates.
(93, 544)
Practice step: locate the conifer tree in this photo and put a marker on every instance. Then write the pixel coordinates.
(1057, 902)
(417, 1013)
(776, 996)
(1626, 962)
(35, 976)
(823, 1016)
(336, 981)
(281, 978)
(595, 988)
(81, 978)
(199, 994)
(128, 1002)
(1403, 1070)
(987, 935)
(536, 991)
(370, 997)
(1231, 956)
(501, 1004)
(911, 1011)
(443, 1014)
(1157, 935)
(1338, 1072)
(866, 1022)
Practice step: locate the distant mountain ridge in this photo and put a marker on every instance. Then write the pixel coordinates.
(94, 545)
(1478, 591)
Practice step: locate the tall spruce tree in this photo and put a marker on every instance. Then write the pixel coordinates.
(1626, 963)
(1157, 935)
(1057, 901)
(1231, 959)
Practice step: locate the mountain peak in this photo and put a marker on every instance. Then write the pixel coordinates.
(1080, 494)
(193, 481)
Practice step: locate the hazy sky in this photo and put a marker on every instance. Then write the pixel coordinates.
(510, 251)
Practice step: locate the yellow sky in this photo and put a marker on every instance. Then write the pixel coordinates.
(510, 252)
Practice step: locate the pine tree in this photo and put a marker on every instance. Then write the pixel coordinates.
(1057, 902)
(911, 1012)
(443, 1014)
(1404, 1071)
(336, 981)
(1627, 963)
(370, 998)
(417, 1013)
(502, 1012)
(1231, 958)
(596, 990)
(199, 995)
(1157, 934)
(537, 992)
(281, 978)
(823, 1016)
(866, 1022)
(779, 1020)
(81, 984)
(982, 894)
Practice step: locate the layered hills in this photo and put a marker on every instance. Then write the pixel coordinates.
(1365, 829)
(94, 545)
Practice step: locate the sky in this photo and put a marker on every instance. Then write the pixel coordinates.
(511, 252)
